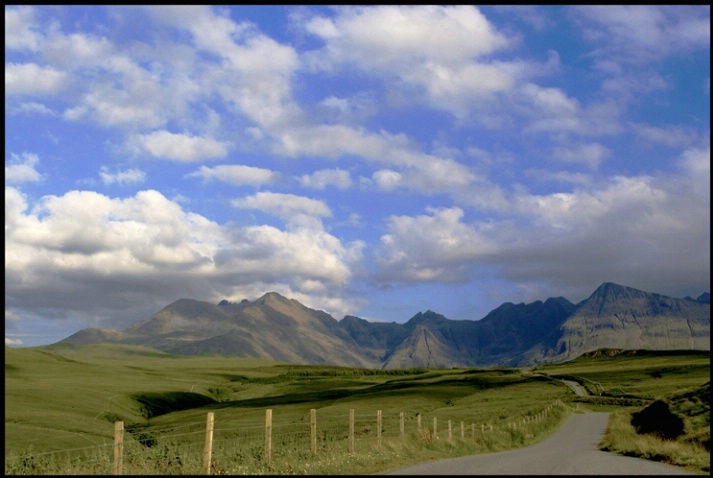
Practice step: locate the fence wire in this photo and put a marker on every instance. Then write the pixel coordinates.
(183, 446)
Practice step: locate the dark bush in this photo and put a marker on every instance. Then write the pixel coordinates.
(659, 420)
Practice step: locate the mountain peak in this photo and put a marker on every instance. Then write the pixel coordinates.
(429, 315)
(283, 329)
(610, 289)
(269, 297)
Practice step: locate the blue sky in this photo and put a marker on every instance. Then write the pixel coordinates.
(373, 161)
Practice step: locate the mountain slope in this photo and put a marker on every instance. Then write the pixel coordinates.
(282, 329)
(272, 327)
(615, 316)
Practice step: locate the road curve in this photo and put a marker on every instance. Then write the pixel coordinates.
(579, 391)
(572, 450)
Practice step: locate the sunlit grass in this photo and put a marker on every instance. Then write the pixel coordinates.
(61, 404)
(621, 438)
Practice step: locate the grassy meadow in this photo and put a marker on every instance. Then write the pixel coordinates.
(61, 403)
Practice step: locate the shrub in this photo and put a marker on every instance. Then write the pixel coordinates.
(659, 420)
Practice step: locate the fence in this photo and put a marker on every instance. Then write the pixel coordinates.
(235, 441)
(330, 436)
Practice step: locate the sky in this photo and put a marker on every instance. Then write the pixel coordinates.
(376, 161)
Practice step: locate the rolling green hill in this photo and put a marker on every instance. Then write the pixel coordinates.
(64, 397)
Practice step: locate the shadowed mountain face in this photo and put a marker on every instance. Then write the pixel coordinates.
(282, 329)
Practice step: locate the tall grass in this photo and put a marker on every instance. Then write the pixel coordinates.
(242, 451)
(621, 438)
(61, 403)
(625, 382)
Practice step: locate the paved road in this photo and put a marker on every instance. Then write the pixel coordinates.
(578, 390)
(572, 450)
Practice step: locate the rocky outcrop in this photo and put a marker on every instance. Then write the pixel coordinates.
(615, 316)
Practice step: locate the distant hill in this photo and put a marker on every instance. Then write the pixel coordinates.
(277, 328)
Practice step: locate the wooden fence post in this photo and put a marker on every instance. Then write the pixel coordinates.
(208, 451)
(435, 427)
(118, 447)
(378, 429)
(351, 430)
(462, 430)
(268, 435)
(313, 429)
(450, 431)
(418, 422)
(401, 419)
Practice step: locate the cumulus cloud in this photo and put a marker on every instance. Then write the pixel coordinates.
(257, 70)
(182, 147)
(440, 50)
(433, 247)
(386, 36)
(32, 79)
(610, 228)
(144, 251)
(387, 179)
(22, 168)
(237, 175)
(199, 85)
(20, 29)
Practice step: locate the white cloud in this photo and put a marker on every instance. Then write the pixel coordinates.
(670, 135)
(145, 249)
(387, 179)
(32, 79)
(440, 50)
(20, 29)
(77, 50)
(283, 205)
(31, 108)
(391, 36)
(590, 154)
(436, 247)
(13, 342)
(22, 168)
(256, 74)
(338, 178)
(611, 228)
(553, 111)
(696, 163)
(236, 175)
(645, 33)
(132, 86)
(540, 174)
(182, 147)
(411, 168)
(122, 178)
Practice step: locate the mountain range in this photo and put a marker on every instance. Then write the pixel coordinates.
(556, 330)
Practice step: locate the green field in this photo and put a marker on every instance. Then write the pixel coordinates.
(61, 403)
